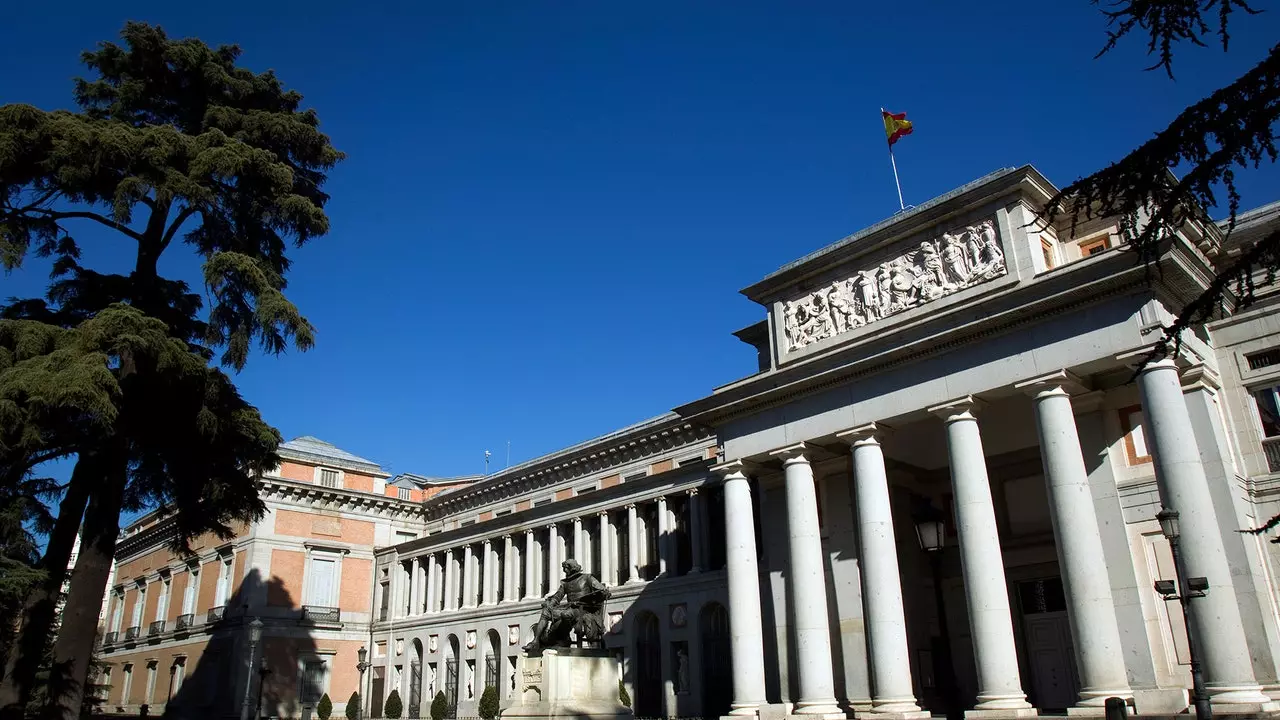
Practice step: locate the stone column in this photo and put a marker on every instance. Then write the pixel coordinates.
(633, 544)
(664, 538)
(991, 625)
(808, 586)
(746, 630)
(579, 546)
(433, 583)
(886, 623)
(1216, 622)
(696, 542)
(393, 586)
(488, 597)
(450, 581)
(553, 547)
(413, 587)
(1094, 631)
(605, 550)
(510, 593)
(468, 577)
(530, 566)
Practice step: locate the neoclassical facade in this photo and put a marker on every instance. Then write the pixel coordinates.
(937, 495)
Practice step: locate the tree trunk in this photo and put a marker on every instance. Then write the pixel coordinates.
(73, 650)
(40, 607)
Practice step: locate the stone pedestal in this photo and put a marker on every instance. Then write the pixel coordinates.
(567, 683)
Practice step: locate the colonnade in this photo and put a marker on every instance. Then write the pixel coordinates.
(1095, 632)
(632, 543)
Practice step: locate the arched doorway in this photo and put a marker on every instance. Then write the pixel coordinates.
(492, 663)
(717, 668)
(451, 677)
(415, 680)
(648, 667)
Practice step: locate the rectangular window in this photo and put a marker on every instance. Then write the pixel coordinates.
(1046, 249)
(117, 613)
(223, 592)
(585, 489)
(636, 476)
(162, 603)
(127, 685)
(380, 648)
(403, 537)
(1095, 246)
(324, 576)
(313, 681)
(689, 461)
(1266, 358)
(403, 493)
(151, 681)
(1135, 440)
(500, 513)
(138, 603)
(1267, 400)
(179, 674)
(189, 593)
(543, 501)
(104, 683)
(466, 523)
(328, 478)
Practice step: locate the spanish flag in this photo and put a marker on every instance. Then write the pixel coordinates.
(895, 125)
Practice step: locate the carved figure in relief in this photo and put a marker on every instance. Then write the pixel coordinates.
(953, 255)
(930, 262)
(840, 310)
(974, 241)
(902, 288)
(867, 292)
(884, 278)
(993, 255)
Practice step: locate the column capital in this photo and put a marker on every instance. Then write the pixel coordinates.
(691, 492)
(962, 408)
(603, 514)
(631, 506)
(1060, 382)
(553, 526)
(506, 536)
(577, 521)
(744, 468)
(1200, 375)
(801, 452)
(870, 434)
(487, 541)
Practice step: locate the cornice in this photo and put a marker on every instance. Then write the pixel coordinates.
(324, 498)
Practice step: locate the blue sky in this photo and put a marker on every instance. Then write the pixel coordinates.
(549, 207)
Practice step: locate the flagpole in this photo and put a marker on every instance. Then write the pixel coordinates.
(901, 205)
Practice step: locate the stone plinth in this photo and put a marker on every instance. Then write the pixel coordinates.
(570, 682)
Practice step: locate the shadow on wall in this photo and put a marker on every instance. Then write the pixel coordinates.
(212, 682)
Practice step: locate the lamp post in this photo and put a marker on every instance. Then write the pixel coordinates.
(1185, 589)
(361, 666)
(263, 672)
(931, 532)
(255, 634)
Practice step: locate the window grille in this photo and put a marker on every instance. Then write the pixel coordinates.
(328, 478)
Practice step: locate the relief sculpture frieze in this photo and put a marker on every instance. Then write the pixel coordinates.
(935, 269)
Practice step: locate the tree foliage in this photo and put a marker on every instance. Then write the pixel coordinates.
(439, 706)
(393, 707)
(325, 707)
(489, 706)
(1230, 130)
(353, 706)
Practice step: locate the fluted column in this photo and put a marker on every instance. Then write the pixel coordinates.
(1219, 630)
(468, 577)
(746, 630)
(510, 585)
(393, 585)
(633, 544)
(995, 654)
(433, 583)
(808, 585)
(1094, 631)
(605, 550)
(530, 565)
(450, 581)
(886, 622)
(553, 547)
(696, 544)
(489, 586)
(579, 545)
(413, 586)
(664, 537)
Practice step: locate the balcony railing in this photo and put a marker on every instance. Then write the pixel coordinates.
(1271, 446)
(110, 638)
(186, 621)
(216, 614)
(132, 633)
(156, 628)
(321, 615)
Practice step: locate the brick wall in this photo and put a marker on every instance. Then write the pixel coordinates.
(323, 526)
(285, 587)
(356, 592)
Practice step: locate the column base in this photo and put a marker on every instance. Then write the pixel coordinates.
(916, 714)
(1245, 696)
(1094, 702)
(818, 710)
(1000, 713)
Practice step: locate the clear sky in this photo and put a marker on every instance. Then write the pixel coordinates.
(549, 207)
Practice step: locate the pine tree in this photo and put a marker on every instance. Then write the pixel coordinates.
(325, 707)
(439, 706)
(623, 696)
(489, 707)
(353, 706)
(393, 708)
(171, 141)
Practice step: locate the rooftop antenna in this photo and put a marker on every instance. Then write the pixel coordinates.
(508, 453)
(486, 461)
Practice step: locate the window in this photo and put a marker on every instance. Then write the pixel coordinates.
(138, 603)
(223, 592)
(127, 686)
(322, 584)
(1267, 400)
(689, 461)
(380, 648)
(313, 677)
(1266, 358)
(162, 603)
(402, 536)
(179, 673)
(500, 513)
(189, 593)
(1135, 439)
(466, 523)
(584, 490)
(326, 477)
(1046, 249)
(151, 680)
(1094, 246)
(543, 501)
(104, 684)
(403, 493)
(117, 613)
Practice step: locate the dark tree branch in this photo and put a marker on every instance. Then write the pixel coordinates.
(1168, 22)
(182, 217)
(54, 215)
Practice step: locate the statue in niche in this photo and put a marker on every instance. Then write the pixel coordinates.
(682, 669)
(577, 607)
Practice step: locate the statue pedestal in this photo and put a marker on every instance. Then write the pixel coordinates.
(567, 682)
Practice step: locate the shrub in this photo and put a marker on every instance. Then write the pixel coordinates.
(394, 706)
(489, 703)
(623, 697)
(325, 708)
(353, 706)
(439, 707)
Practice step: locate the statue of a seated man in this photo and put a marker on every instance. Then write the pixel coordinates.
(578, 606)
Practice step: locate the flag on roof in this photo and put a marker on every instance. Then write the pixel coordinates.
(895, 125)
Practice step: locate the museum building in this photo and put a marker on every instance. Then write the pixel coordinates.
(938, 494)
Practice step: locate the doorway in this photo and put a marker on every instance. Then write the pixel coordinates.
(717, 670)
(648, 679)
(1047, 640)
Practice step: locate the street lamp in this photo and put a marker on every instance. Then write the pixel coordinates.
(931, 532)
(1185, 589)
(361, 666)
(255, 634)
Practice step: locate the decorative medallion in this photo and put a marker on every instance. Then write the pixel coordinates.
(513, 634)
(615, 622)
(935, 269)
(433, 643)
(678, 615)
(471, 639)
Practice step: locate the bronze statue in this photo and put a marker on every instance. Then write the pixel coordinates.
(578, 606)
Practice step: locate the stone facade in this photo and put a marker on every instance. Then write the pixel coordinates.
(958, 367)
